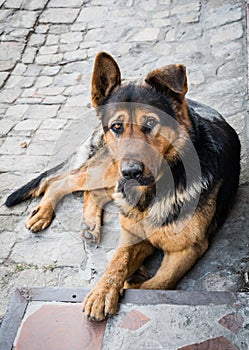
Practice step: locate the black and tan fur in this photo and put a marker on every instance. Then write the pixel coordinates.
(146, 160)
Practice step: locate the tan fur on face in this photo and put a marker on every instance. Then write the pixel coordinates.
(163, 142)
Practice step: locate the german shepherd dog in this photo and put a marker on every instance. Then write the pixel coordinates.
(171, 165)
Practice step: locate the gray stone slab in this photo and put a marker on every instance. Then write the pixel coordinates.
(10, 52)
(41, 111)
(59, 15)
(5, 126)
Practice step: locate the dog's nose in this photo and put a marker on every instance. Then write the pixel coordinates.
(132, 169)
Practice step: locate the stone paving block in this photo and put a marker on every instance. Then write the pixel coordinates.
(226, 33)
(49, 59)
(16, 111)
(16, 81)
(48, 133)
(9, 95)
(94, 35)
(5, 126)
(163, 14)
(49, 50)
(75, 101)
(72, 3)
(30, 100)
(189, 33)
(92, 14)
(75, 55)
(59, 28)
(29, 92)
(78, 67)
(52, 124)
(41, 111)
(35, 251)
(36, 40)
(50, 91)
(146, 34)
(7, 219)
(7, 65)
(23, 163)
(78, 27)
(43, 81)
(34, 4)
(67, 48)
(12, 145)
(52, 39)
(230, 50)
(25, 19)
(196, 77)
(50, 100)
(164, 22)
(51, 71)
(229, 69)
(223, 15)
(69, 250)
(189, 17)
(17, 34)
(16, 4)
(190, 7)
(32, 71)
(59, 15)
(29, 55)
(10, 52)
(3, 77)
(69, 79)
(7, 241)
(41, 148)
(74, 90)
(27, 125)
(4, 14)
(42, 28)
(71, 112)
(69, 38)
(19, 69)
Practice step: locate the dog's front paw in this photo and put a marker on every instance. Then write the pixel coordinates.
(91, 233)
(40, 218)
(101, 303)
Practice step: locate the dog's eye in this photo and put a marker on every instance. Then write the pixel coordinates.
(117, 128)
(150, 124)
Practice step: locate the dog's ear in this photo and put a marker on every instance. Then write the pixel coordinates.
(171, 78)
(106, 75)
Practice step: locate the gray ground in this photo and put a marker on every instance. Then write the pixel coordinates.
(46, 56)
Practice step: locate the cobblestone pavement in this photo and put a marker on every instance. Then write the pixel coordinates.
(47, 50)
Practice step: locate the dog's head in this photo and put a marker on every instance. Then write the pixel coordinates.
(144, 123)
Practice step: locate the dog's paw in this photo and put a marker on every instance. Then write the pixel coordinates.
(91, 233)
(137, 279)
(39, 219)
(101, 303)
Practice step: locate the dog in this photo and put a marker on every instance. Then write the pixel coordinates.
(172, 166)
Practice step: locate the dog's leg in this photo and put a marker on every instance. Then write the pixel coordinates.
(87, 178)
(42, 215)
(102, 301)
(185, 247)
(174, 266)
(94, 202)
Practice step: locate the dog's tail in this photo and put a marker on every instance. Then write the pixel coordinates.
(33, 188)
